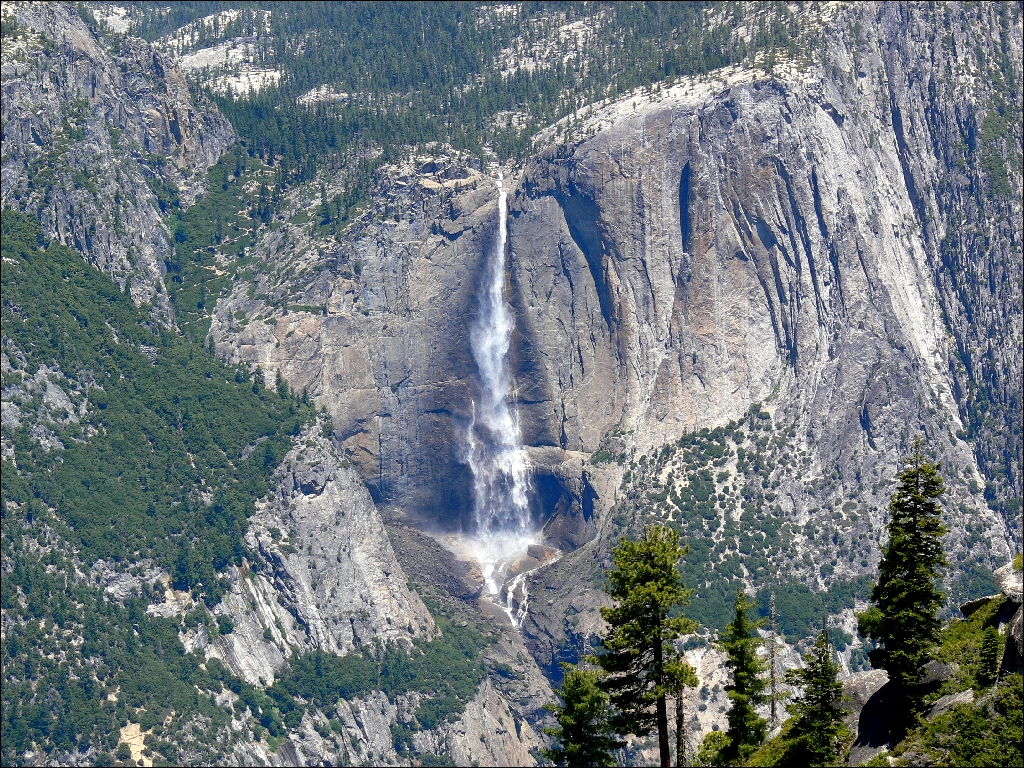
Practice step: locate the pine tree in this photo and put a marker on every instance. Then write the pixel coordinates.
(904, 618)
(712, 748)
(647, 588)
(584, 733)
(325, 207)
(990, 648)
(818, 731)
(747, 691)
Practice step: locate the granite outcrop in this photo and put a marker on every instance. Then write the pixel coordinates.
(326, 577)
(101, 139)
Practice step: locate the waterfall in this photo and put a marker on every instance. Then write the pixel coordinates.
(501, 477)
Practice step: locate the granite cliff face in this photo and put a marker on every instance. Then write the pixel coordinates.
(389, 355)
(100, 137)
(752, 239)
(327, 576)
(789, 238)
(957, 126)
(818, 240)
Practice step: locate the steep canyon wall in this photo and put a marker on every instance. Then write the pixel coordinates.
(820, 238)
(100, 140)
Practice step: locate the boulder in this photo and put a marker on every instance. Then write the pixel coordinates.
(1010, 581)
(947, 702)
(971, 606)
(1013, 652)
(867, 717)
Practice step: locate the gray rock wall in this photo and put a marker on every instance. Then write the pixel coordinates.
(747, 238)
(93, 126)
(389, 356)
(952, 78)
(735, 239)
(327, 577)
(720, 244)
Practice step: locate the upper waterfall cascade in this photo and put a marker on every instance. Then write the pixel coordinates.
(501, 473)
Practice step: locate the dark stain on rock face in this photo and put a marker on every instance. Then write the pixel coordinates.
(582, 215)
(684, 207)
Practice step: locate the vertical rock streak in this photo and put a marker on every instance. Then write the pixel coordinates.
(495, 453)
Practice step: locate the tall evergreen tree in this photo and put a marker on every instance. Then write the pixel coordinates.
(647, 588)
(904, 618)
(747, 691)
(817, 734)
(584, 733)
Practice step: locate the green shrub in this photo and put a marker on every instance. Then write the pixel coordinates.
(988, 732)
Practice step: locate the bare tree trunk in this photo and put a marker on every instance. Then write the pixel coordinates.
(666, 755)
(771, 662)
(680, 730)
(659, 666)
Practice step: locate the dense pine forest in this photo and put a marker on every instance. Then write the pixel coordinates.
(159, 454)
(483, 79)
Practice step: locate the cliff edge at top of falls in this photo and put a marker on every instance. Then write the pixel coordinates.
(810, 239)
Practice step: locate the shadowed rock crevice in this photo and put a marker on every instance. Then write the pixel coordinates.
(833, 255)
(684, 208)
(582, 216)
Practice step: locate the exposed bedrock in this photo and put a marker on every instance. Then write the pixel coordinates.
(796, 275)
(765, 240)
(793, 241)
(99, 136)
(390, 355)
(733, 240)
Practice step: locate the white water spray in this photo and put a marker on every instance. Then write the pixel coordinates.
(501, 475)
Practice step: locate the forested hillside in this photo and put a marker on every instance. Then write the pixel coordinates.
(131, 457)
(156, 429)
(750, 253)
(471, 76)
(484, 79)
